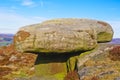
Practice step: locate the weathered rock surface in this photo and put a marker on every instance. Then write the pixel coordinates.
(64, 35)
(54, 66)
(118, 78)
(103, 29)
(97, 64)
(51, 67)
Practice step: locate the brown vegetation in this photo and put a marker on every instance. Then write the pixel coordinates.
(94, 78)
(114, 53)
(12, 61)
(72, 75)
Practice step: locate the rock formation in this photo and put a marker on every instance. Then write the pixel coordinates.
(59, 44)
(63, 35)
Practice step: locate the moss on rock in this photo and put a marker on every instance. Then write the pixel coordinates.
(104, 37)
(55, 70)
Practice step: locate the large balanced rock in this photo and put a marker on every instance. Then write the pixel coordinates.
(62, 35)
(65, 36)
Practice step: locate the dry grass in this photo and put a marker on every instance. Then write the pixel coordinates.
(72, 75)
(114, 53)
(12, 62)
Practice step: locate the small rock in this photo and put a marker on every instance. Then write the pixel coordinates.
(85, 71)
(21, 79)
(118, 78)
(32, 69)
(22, 57)
(108, 48)
(13, 58)
(105, 73)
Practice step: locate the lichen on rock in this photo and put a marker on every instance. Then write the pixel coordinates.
(21, 36)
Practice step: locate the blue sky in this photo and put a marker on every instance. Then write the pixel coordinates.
(17, 13)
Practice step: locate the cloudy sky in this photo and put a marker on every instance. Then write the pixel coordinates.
(17, 13)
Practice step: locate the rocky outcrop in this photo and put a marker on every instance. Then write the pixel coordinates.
(60, 44)
(98, 64)
(56, 36)
(63, 35)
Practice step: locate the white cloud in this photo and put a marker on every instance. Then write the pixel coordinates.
(10, 22)
(31, 3)
(28, 3)
(116, 27)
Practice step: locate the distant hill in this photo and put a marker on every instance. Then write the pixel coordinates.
(115, 41)
(6, 39)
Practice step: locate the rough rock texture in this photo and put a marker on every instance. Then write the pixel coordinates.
(103, 29)
(51, 67)
(63, 35)
(118, 78)
(56, 71)
(54, 66)
(97, 63)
